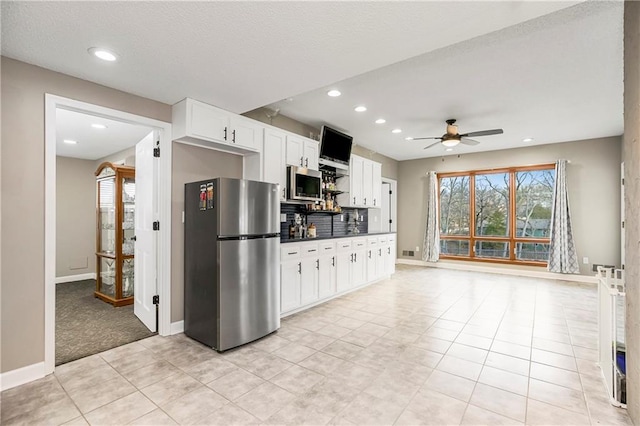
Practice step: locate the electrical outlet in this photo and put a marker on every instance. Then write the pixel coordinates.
(417, 248)
(283, 217)
(585, 260)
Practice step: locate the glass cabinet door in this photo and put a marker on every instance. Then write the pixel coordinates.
(107, 280)
(106, 215)
(128, 219)
(127, 277)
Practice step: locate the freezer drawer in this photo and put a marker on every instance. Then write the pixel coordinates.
(249, 290)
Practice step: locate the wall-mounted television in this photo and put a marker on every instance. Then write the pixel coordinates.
(335, 145)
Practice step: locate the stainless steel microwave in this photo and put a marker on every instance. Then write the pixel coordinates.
(304, 184)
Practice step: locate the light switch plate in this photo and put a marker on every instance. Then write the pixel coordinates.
(182, 216)
(283, 217)
(585, 260)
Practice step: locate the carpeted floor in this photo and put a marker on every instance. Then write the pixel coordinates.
(86, 325)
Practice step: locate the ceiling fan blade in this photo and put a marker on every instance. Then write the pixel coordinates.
(484, 133)
(467, 141)
(433, 137)
(433, 144)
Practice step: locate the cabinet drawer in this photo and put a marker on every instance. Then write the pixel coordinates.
(372, 242)
(392, 237)
(383, 240)
(289, 252)
(359, 243)
(309, 249)
(327, 248)
(344, 245)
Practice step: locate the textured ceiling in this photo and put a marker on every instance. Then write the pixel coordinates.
(94, 144)
(557, 78)
(242, 55)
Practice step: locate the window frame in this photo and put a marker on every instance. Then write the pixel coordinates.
(512, 239)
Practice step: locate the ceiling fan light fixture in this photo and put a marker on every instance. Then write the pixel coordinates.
(450, 143)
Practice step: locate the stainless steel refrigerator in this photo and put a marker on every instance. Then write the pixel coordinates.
(231, 261)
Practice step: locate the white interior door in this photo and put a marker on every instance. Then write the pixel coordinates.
(145, 286)
(385, 208)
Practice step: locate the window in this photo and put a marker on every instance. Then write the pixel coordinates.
(497, 215)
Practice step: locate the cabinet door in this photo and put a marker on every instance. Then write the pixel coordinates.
(327, 276)
(358, 269)
(381, 253)
(391, 268)
(273, 157)
(208, 122)
(311, 154)
(376, 184)
(367, 183)
(309, 281)
(290, 285)
(372, 263)
(245, 133)
(356, 175)
(295, 151)
(343, 271)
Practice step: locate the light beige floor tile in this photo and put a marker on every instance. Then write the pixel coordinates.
(23, 399)
(266, 365)
(330, 395)
(193, 406)
(316, 341)
(291, 333)
(322, 363)
(170, 388)
(479, 416)
(45, 411)
(602, 412)
(448, 384)
(433, 408)
(553, 359)
(294, 352)
(415, 355)
(86, 377)
(518, 339)
(511, 349)
(441, 333)
(370, 410)
(78, 421)
(297, 380)
(101, 393)
(360, 315)
(210, 370)
(150, 374)
(374, 329)
(394, 388)
(499, 401)
(559, 396)
(474, 341)
(265, 400)
(401, 335)
(460, 367)
(549, 334)
(270, 343)
(355, 376)
(469, 353)
(155, 418)
(508, 363)
(585, 353)
(556, 376)
(122, 411)
(552, 346)
(504, 380)
(126, 362)
(299, 412)
(343, 350)
(413, 373)
(432, 344)
(486, 331)
(130, 349)
(243, 354)
(333, 330)
(350, 323)
(230, 414)
(235, 384)
(539, 413)
(360, 338)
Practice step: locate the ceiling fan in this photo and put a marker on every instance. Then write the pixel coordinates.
(453, 138)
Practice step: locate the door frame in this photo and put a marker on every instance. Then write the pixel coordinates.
(163, 265)
(393, 208)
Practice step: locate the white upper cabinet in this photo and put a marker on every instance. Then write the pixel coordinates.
(302, 152)
(206, 125)
(367, 184)
(377, 184)
(363, 185)
(273, 159)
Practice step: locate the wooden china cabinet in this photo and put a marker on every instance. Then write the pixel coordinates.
(115, 233)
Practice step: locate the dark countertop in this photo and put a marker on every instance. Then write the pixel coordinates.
(304, 240)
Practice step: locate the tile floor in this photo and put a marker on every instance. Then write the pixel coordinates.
(428, 346)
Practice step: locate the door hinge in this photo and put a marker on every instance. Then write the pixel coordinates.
(156, 299)
(156, 152)
(390, 192)
(156, 225)
(623, 224)
(623, 181)
(390, 221)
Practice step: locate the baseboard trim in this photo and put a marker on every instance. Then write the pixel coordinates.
(73, 278)
(177, 327)
(458, 266)
(20, 376)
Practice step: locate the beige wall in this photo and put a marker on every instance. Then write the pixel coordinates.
(190, 164)
(593, 181)
(22, 180)
(631, 150)
(127, 155)
(389, 165)
(75, 216)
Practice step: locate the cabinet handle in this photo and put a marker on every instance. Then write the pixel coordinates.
(225, 133)
(365, 201)
(333, 261)
(351, 257)
(380, 252)
(318, 264)
(311, 251)
(300, 267)
(354, 200)
(306, 162)
(388, 250)
(233, 136)
(301, 160)
(374, 201)
(284, 192)
(355, 257)
(369, 254)
(292, 252)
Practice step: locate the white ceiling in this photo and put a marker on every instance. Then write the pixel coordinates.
(94, 144)
(488, 64)
(557, 78)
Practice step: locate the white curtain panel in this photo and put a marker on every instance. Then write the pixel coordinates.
(431, 251)
(562, 250)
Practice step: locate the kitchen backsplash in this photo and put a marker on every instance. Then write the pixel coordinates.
(323, 221)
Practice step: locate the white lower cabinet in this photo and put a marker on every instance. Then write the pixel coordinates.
(311, 272)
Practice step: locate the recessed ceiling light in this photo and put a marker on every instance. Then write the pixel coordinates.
(98, 126)
(360, 108)
(381, 121)
(396, 131)
(449, 149)
(103, 54)
(70, 141)
(408, 138)
(334, 93)
(527, 140)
